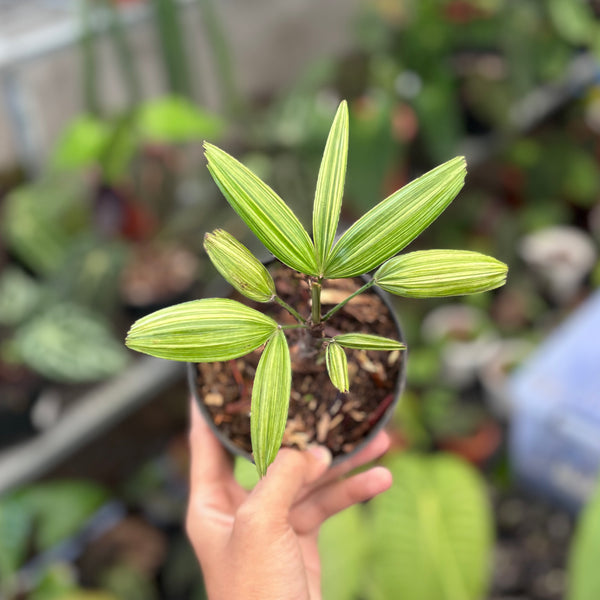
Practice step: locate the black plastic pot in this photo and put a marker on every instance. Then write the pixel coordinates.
(377, 427)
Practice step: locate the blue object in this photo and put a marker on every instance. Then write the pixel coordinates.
(555, 428)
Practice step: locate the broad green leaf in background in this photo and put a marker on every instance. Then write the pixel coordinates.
(583, 572)
(19, 295)
(337, 366)
(39, 221)
(270, 401)
(68, 343)
(174, 119)
(432, 531)
(239, 266)
(15, 527)
(574, 21)
(81, 143)
(265, 213)
(367, 341)
(343, 547)
(396, 221)
(60, 508)
(91, 272)
(330, 186)
(55, 581)
(207, 330)
(245, 473)
(436, 273)
(87, 595)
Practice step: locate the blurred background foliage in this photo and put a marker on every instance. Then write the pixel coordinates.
(109, 226)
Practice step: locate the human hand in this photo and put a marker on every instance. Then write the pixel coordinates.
(262, 545)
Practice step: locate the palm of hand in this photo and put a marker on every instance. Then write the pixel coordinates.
(263, 543)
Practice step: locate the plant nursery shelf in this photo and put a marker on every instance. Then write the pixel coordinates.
(93, 414)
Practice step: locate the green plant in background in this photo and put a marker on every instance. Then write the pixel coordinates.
(133, 154)
(172, 43)
(112, 143)
(218, 329)
(429, 537)
(344, 545)
(57, 229)
(57, 338)
(583, 575)
(38, 518)
(435, 521)
(55, 319)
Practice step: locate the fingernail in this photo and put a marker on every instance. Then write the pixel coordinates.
(321, 453)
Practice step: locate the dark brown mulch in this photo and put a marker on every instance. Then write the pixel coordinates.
(318, 412)
(532, 548)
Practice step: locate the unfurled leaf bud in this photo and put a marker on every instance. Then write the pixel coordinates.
(436, 273)
(337, 366)
(239, 266)
(366, 341)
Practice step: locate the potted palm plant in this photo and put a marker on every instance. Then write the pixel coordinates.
(314, 273)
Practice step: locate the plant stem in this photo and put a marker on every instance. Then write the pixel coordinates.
(91, 97)
(124, 54)
(221, 50)
(344, 302)
(291, 310)
(315, 291)
(167, 21)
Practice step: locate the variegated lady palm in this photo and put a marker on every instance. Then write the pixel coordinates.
(219, 329)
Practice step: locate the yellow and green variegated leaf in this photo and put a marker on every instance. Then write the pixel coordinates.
(208, 330)
(396, 221)
(436, 273)
(337, 366)
(366, 341)
(239, 266)
(270, 401)
(330, 186)
(265, 213)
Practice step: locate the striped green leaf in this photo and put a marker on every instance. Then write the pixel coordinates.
(330, 186)
(265, 213)
(270, 401)
(396, 221)
(436, 273)
(366, 341)
(208, 330)
(337, 366)
(239, 266)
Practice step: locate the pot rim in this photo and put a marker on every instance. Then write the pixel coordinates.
(377, 427)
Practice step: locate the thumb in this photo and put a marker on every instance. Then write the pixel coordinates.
(285, 478)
